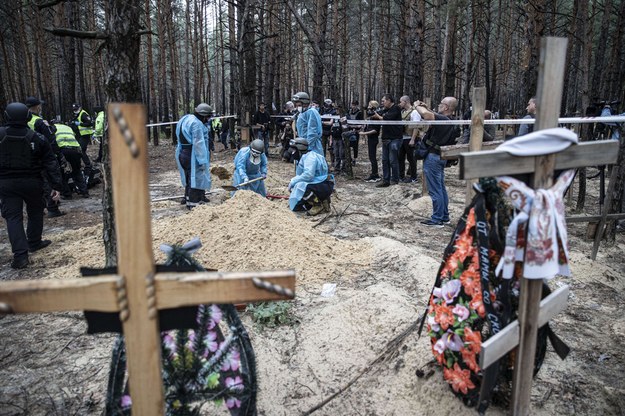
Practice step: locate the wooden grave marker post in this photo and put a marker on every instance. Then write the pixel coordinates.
(136, 292)
(478, 102)
(532, 312)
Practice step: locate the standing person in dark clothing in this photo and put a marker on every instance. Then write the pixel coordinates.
(83, 127)
(372, 132)
(326, 128)
(433, 165)
(23, 155)
(391, 141)
(351, 133)
(39, 125)
(262, 122)
(531, 113)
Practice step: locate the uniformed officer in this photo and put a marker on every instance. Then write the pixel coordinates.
(83, 126)
(23, 155)
(41, 126)
(70, 148)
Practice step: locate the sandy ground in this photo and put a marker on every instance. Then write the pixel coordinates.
(358, 344)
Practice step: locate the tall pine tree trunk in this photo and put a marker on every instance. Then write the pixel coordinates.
(122, 85)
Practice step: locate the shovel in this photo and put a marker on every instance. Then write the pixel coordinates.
(236, 188)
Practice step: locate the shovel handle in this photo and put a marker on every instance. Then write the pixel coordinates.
(234, 188)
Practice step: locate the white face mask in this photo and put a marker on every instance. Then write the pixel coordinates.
(299, 108)
(255, 157)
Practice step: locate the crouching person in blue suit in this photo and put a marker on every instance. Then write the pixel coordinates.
(312, 186)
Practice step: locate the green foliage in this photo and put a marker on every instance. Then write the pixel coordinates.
(271, 314)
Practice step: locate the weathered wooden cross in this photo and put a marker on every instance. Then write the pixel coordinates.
(532, 312)
(137, 292)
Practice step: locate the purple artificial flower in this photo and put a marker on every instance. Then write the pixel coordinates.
(126, 401)
(434, 326)
(438, 293)
(191, 340)
(453, 341)
(234, 383)
(440, 345)
(211, 342)
(169, 342)
(462, 312)
(216, 315)
(233, 402)
(450, 290)
(233, 361)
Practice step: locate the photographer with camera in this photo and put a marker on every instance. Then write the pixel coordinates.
(433, 165)
(391, 141)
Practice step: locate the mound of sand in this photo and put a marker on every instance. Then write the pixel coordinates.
(248, 232)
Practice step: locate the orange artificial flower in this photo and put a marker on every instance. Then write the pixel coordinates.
(474, 339)
(469, 358)
(471, 218)
(444, 316)
(478, 305)
(459, 379)
(470, 281)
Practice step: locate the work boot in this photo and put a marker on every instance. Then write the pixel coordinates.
(55, 213)
(326, 205)
(19, 262)
(315, 210)
(38, 246)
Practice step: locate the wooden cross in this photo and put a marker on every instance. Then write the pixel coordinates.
(532, 312)
(137, 293)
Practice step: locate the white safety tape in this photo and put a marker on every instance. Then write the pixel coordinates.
(562, 120)
(176, 122)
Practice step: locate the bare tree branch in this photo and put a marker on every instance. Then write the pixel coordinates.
(47, 4)
(76, 33)
(146, 32)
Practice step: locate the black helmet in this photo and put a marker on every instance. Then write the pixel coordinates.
(302, 97)
(16, 113)
(203, 109)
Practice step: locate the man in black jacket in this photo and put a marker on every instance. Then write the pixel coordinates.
(391, 141)
(41, 126)
(23, 155)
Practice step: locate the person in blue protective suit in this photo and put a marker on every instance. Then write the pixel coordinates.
(193, 155)
(308, 125)
(251, 163)
(312, 186)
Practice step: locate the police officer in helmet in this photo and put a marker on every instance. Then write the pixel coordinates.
(23, 155)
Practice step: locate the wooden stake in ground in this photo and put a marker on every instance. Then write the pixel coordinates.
(137, 293)
(497, 163)
(477, 132)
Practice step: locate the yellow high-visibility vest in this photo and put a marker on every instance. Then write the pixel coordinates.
(84, 131)
(65, 136)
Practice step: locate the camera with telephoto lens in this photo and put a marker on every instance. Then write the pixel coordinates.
(372, 111)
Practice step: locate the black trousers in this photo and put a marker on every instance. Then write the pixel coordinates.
(84, 142)
(51, 205)
(73, 157)
(14, 193)
(321, 190)
(192, 195)
(372, 146)
(407, 152)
